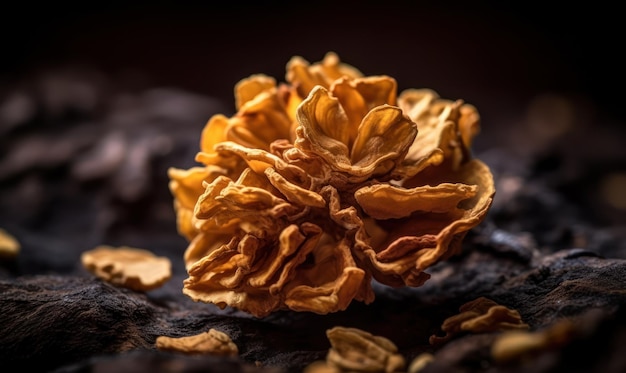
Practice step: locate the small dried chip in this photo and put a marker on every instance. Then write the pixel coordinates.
(129, 267)
(420, 362)
(212, 342)
(481, 315)
(516, 345)
(355, 350)
(9, 246)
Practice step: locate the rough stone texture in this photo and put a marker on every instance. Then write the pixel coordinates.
(551, 247)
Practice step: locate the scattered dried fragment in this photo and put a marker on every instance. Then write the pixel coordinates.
(420, 362)
(320, 367)
(481, 315)
(355, 350)
(317, 185)
(133, 268)
(212, 342)
(513, 346)
(9, 246)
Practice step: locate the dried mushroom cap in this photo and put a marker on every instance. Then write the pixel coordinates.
(133, 268)
(317, 185)
(9, 246)
(481, 315)
(355, 350)
(212, 342)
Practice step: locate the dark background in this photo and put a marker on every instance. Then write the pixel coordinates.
(524, 65)
(497, 56)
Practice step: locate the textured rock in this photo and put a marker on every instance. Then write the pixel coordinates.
(539, 251)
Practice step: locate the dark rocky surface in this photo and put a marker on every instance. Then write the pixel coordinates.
(83, 160)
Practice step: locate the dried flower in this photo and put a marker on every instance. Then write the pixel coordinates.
(212, 342)
(133, 268)
(319, 184)
(481, 315)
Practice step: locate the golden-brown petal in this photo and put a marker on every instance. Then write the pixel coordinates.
(330, 284)
(247, 275)
(294, 193)
(323, 123)
(203, 244)
(187, 185)
(259, 160)
(418, 105)
(255, 209)
(359, 96)
(469, 123)
(247, 89)
(295, 243)
(304, 76)
(260, 121)
(384, 134)
(385, 201)
(353, 103)
(333, 68)
(413, 165)
(408, 248)
(374, 90)
(213, 133)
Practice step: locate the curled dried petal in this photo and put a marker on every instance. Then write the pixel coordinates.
(305, 76)
(414, 243)
(384, 135)
(247, 89)
(382, 201)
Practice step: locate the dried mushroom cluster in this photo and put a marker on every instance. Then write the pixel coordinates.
(317, 185)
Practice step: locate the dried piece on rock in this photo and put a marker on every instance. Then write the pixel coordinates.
(9, 246)
(320, 367)
(133, 268)
(212, 342)
(513, 346)
(420, 362)
(481, 315)
(330, 170)
(355, 350)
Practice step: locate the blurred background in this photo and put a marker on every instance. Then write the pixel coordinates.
(98, 99)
